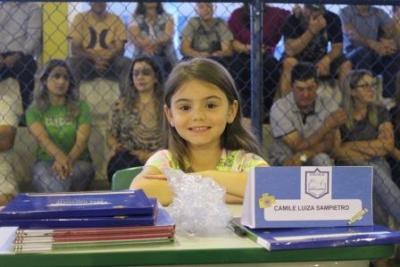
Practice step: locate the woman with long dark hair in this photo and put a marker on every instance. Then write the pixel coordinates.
(135, 124)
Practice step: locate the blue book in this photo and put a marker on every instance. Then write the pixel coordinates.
(322, 237)
(80, 222)
(78, 205)
(110, 221)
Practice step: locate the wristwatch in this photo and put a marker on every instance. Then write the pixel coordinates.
(303, 157)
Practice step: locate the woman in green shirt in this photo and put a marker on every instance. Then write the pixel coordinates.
(61, 123)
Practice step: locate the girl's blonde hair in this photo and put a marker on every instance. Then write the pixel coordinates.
(350, 84)
(235, 136)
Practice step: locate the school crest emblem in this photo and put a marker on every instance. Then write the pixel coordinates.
(317, 183)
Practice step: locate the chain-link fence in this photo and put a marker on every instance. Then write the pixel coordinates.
(97, 83)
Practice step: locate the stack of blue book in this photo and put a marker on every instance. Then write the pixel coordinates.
(80, 209)
(318, 237)
(65, 221)
(311, 207)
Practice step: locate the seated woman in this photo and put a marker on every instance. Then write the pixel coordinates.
(61, 123)
(207, 36)
(151, 33)
(134, 131)
(367, 137)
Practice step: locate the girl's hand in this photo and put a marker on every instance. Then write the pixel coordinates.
(155, 176)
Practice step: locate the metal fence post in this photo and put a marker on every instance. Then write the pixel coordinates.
(256, 15)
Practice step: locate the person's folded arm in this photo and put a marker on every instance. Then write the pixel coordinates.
(379, 147)
(226, 49)
(39, 132)
(7, 136)
(136, 37)
(294, 46)
(168, 34)
(240, 47)
(188, 51)
(157, 188)
(234, 183)
(82, 137)
(297, 143)
(344, 151)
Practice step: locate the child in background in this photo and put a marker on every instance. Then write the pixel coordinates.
(204, 130)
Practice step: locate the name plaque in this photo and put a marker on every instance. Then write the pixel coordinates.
(286, 197)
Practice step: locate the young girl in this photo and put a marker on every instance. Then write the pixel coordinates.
(367, 137)
(135, 127)
(60, 122)
(204, 132)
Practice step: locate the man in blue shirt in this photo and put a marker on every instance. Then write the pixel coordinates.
(369, 42)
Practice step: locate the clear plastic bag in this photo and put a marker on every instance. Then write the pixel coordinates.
(198, 207)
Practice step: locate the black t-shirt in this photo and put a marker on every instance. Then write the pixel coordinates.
(294, 27)
(363, 130)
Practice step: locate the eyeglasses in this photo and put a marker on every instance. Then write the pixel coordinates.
(144, 72)
(373, 85)
(57, 76)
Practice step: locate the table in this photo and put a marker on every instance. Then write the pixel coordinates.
(226, 248)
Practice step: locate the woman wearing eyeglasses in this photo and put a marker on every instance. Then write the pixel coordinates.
(134, 131)
(367, 137)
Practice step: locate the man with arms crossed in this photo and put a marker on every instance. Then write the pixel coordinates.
(303, 122)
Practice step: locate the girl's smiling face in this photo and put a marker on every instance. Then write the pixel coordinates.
(199, 112)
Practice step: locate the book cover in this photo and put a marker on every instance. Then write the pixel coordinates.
(114, 221)
(47, 247)
(77, 204)
(91, 238)
(35, 240)
(308, 196)
(7, 237)
(322, 237)
(162, 223)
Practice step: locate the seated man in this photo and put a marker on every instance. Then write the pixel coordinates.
(303, 122)
(8, 124)
(206, 36)
(20, 39)
(307, 36)
(369, 43)
(97, 40)
(239, 24)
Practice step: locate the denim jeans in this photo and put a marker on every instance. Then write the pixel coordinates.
(46, 180)
(386, 192)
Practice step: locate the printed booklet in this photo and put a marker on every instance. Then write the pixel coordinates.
(78, 205)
